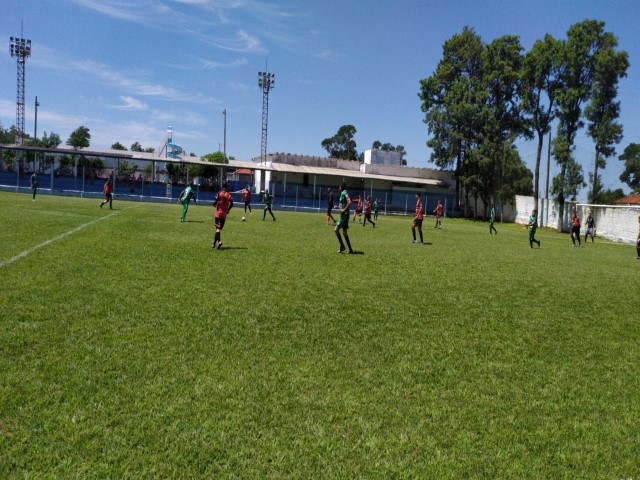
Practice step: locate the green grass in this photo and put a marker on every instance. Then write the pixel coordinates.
(131, 349)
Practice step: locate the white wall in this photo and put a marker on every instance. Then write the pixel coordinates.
(617, 223)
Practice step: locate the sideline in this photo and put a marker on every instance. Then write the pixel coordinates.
(4, 263)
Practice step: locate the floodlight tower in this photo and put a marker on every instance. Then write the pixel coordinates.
(20, 48)
(266, 81)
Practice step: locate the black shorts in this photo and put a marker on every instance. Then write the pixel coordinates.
(329, 208)
(575, 230)
(417, 222)
(219, 223)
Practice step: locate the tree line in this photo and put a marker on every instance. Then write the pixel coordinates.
(482, 97)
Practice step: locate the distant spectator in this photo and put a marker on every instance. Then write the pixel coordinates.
(590, 223)
(575, 228)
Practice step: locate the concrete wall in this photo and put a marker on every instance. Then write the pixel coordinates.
(617, 223)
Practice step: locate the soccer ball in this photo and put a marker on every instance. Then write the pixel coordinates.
(244, 219)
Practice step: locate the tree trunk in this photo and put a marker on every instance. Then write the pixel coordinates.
(595, 178)
(536, 175)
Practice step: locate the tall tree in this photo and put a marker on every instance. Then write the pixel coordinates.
(136, 147)
(631, 173)
(450, 104)
(79, 138)
(539, 85)
(342, 144)
(575, 80)
(603, 111)
(118, 146)
(502, 121)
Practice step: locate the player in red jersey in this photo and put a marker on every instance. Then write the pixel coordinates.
(223, 204)
(246, 198)
(439, 211)
(367, 213)
(358, 210)
(108, 194)
(417, 222)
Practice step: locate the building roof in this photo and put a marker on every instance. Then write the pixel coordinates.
(633, 199)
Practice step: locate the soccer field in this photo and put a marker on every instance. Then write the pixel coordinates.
(129, 348)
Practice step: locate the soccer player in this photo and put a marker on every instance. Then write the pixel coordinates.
(376, 207)
(358, 210)
(266, 199)
(184, 198)
(33, 182)
(367, 213)
(492, 218)
(439, 211)
(533, 225)
(223, 204)
(330, 219)
(638, 241)
(108, 193)
(417, 221)
(343, 222)
(246, 198)
(590, 223)
(575, 228)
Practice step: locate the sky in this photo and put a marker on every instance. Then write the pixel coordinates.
(128, 69)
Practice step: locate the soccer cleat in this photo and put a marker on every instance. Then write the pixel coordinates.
(341, 249)
(351, 251)
(413, 241)
(219, 245)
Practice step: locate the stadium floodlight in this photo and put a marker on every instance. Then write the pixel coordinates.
(266, 81)
(20, 48)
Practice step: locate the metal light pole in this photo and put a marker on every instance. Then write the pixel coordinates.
(35, 133)
(266, 81)
(35, 127)
(224, 112)
(20, 48)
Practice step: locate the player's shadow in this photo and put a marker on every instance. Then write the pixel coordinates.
(193, 221)
(357, 252)
(233, 248)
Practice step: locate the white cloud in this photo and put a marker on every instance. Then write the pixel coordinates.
(131, 103)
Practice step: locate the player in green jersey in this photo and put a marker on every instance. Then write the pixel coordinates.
(492, 218)
(266, 199)
(343, 221)
(34, 184)
(184, 198)
(533, 225)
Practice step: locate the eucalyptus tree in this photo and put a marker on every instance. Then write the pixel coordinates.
(500, 111)
(631, 173)
(450, 103)
(539, 86)
(603, 111)
(576, 76)
(342, 144)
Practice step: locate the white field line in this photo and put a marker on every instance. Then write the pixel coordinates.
(4, 263)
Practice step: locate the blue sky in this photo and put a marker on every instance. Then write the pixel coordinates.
(127, 69)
